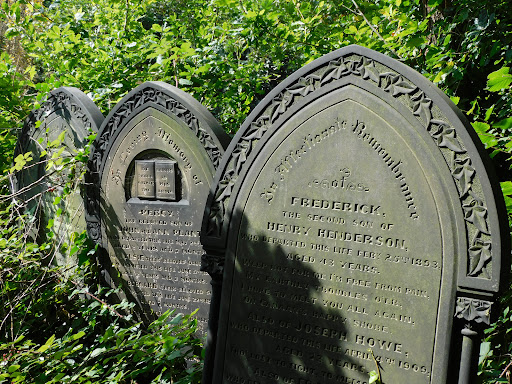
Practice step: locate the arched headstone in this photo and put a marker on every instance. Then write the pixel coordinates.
(67, 119)
(354, 220)
(149, 175)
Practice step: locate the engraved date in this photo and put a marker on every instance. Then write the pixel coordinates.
(340, 182)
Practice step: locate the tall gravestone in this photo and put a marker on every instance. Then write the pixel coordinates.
(66, 119)
(149, 175)
(353, 221)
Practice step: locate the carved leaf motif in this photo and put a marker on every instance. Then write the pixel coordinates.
(401, 87)
(386, 79)
(357, 66)
(240, 155)
(421, 107)
(212, 264)
(94, 231)
(226, 186)
(194, 125)
(206, 139)
(335, 70)
(170, 104)
(480, 254)
(104, 139)
(215, 219)
(280, 104)
(96, 161)
(161, 99)
(180, 110)
(304, 86)
(369, 71)
(257, 129)
(446, 138)
(464, 172)
(436, 127)
(476, 213)
(473, 310)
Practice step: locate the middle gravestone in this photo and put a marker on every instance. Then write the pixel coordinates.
(149, 174)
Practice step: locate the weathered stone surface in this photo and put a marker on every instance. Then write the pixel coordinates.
(149, 175)
(68, 112)
(354, 214)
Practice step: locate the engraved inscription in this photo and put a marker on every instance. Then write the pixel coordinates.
(165, 180)
(322, 281)
(145, 173)
(153, 239)
(359, 129)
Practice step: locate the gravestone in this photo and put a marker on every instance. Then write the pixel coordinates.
(354, 225)
(149, 175)
(66, 119)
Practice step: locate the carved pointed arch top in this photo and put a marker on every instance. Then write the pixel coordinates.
(471, 172)
(167, 99)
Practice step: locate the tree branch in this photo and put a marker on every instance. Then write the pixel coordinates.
(360, 13)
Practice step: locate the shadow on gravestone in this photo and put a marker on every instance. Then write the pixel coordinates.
(284, 318)
(360, 170)
(149, 174)
(60, 127)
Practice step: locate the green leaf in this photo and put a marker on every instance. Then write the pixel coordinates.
(46, 345)
(77, 336)
(499, 79)
(488, 113)
(374, 377)
(508, 203)
(434, 3)
(506, 188)
(185, 82)
(79, 15)
(504, 124)
(455, 99)
(416, 42)
(251, 14)
(485, 348)
(480, 127)
(97, 352)
(13, 368)
(351, 30)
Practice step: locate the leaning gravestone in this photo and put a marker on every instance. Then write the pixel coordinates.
(149, 175)
(55, 132)
(354, 213)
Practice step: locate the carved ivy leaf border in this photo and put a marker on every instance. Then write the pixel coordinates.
(422, 107)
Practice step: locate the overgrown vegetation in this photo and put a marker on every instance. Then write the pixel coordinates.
(228, 54)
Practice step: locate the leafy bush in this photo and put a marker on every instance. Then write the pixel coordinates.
(228, 54)
(54, 330)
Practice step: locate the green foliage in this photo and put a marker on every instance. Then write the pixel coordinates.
(102, 347)
(228, 54)
(54, 330)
